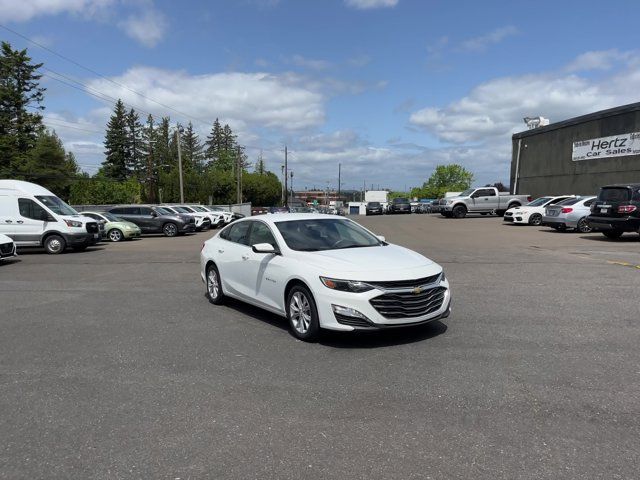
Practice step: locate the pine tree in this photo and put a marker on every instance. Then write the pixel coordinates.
(260, 167)
(165, 159)
(116, 143)
(135, 161)
(191, 150)
(19, 90)
(50, 166)
(213, 143)
(149, 175)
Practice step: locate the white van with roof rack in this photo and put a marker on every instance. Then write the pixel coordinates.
(34, 217)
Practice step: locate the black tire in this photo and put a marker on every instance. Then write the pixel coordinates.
(500, 213)
(170, 229)
(214, 285)
(115, 235)
(483, 213)
(612, 234)
(54, 244)
(583, 226)
(459, 211)
(535, 220)
(306, 329)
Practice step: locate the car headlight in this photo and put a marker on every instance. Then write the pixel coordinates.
(345, 285)
(73, 223)
(127, 227)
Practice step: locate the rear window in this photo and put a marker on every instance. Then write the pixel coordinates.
(400, 200)
(615, 194)
(569, 201)
(374, 204)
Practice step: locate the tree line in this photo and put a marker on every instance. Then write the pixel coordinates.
(141, 156)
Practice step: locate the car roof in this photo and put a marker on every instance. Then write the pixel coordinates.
(290, 217)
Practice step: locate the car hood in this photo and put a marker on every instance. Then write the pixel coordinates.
(390, 262)
(5, 239)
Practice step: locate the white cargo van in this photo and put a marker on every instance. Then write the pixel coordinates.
(34, 217)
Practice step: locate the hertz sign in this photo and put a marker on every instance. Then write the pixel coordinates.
(607, 147)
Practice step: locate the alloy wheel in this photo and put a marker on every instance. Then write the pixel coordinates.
(213, 284)
(115, 235)
(300, 312)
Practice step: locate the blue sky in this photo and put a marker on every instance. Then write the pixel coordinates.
(387, 88)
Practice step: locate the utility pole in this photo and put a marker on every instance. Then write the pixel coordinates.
(339, 184)
(286, 173)
(239, 173)
(282, 184)
(292, 193)
(180, 164)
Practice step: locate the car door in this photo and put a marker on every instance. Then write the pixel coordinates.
(32, 221)
(264, 273)
(230, 256)
(481, 200)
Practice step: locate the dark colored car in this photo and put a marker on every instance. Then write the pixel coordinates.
(153, 219)
(616, 210)
(374, 208)
(399, 205)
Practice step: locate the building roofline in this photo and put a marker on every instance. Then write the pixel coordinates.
(632, 107)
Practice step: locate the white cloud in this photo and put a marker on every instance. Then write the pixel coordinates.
(598, 60)
(22, 11)
(482, 42)
(147, 26)
(257, 100)
(369, 4)
(311, 63)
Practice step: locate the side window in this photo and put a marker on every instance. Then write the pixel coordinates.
(117, 211)
(490, 193)
(260, 233)
(636, 195)
(145, 211)
(589, 202)
(30, 209)
(225, 233)
(131, 211)
(91, 215)
(238, 233)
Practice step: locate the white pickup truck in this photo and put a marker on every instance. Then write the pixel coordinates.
(483, 200)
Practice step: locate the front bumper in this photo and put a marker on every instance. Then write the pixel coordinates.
(623, 224)
(8, 250)
(515, 217)
(326, 298)
(83, 239)
(187, 228)
(132, 233)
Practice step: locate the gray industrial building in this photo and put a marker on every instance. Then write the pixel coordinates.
(579, 155)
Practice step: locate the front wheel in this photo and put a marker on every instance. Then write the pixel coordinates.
(535, 219)
(302, 314)
(170, 229)
(583, 226)
(459, 212)
(54, 244)
(115, 235)
(214, 285)
(612, 234)
(500, 213)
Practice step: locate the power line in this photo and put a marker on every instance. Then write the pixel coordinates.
(49, 123)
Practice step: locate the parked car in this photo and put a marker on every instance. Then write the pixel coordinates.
(34, 217)
(532, 212)
(203, 222)
(570, 213)
(227, 215)
(7, 247)
(373, 208)
(115, 229)
(216, 218)
(484, 200)
(616, 210)
(323, 272)
(154, 219)
(399, 205)
(273, 210)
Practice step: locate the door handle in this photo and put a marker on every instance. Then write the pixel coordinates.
(9, 221)
(221, 250)
(245, 257)
(20, 221)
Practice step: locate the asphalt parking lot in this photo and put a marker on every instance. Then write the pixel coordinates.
(114, 365)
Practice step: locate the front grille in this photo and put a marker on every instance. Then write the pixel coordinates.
(508, 214)
(409, 304)
(352, 321)
(92, 227)
(418, 282)
(6, 248)
(192, 220)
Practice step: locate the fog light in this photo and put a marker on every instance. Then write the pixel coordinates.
(347, 312)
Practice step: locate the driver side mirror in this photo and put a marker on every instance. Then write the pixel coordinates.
(381, 238)
(154, 214)
(263, 248)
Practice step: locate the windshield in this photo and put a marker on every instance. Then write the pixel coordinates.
(400, 200)
(325, 234)
(198, 209)
(466, 193)
(186, 209)
(110, 216)
(180, 209)
(56, 205)
(164, 211)
(538, 202)
(374, 204)
(615, 194)
(570, 201)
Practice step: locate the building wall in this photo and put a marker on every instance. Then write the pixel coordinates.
(546, 167)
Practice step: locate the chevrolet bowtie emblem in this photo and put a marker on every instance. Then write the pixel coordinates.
(417, 290)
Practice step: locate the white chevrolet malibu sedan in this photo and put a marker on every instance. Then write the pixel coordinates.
(323, 272)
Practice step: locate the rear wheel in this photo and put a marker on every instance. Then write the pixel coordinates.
(612, 234)
(302, 314)
(54, 244)
(500, 213)
(214, 285)
(535, 219)
(583, 226)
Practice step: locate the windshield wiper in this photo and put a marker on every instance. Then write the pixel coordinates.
(356, 246)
